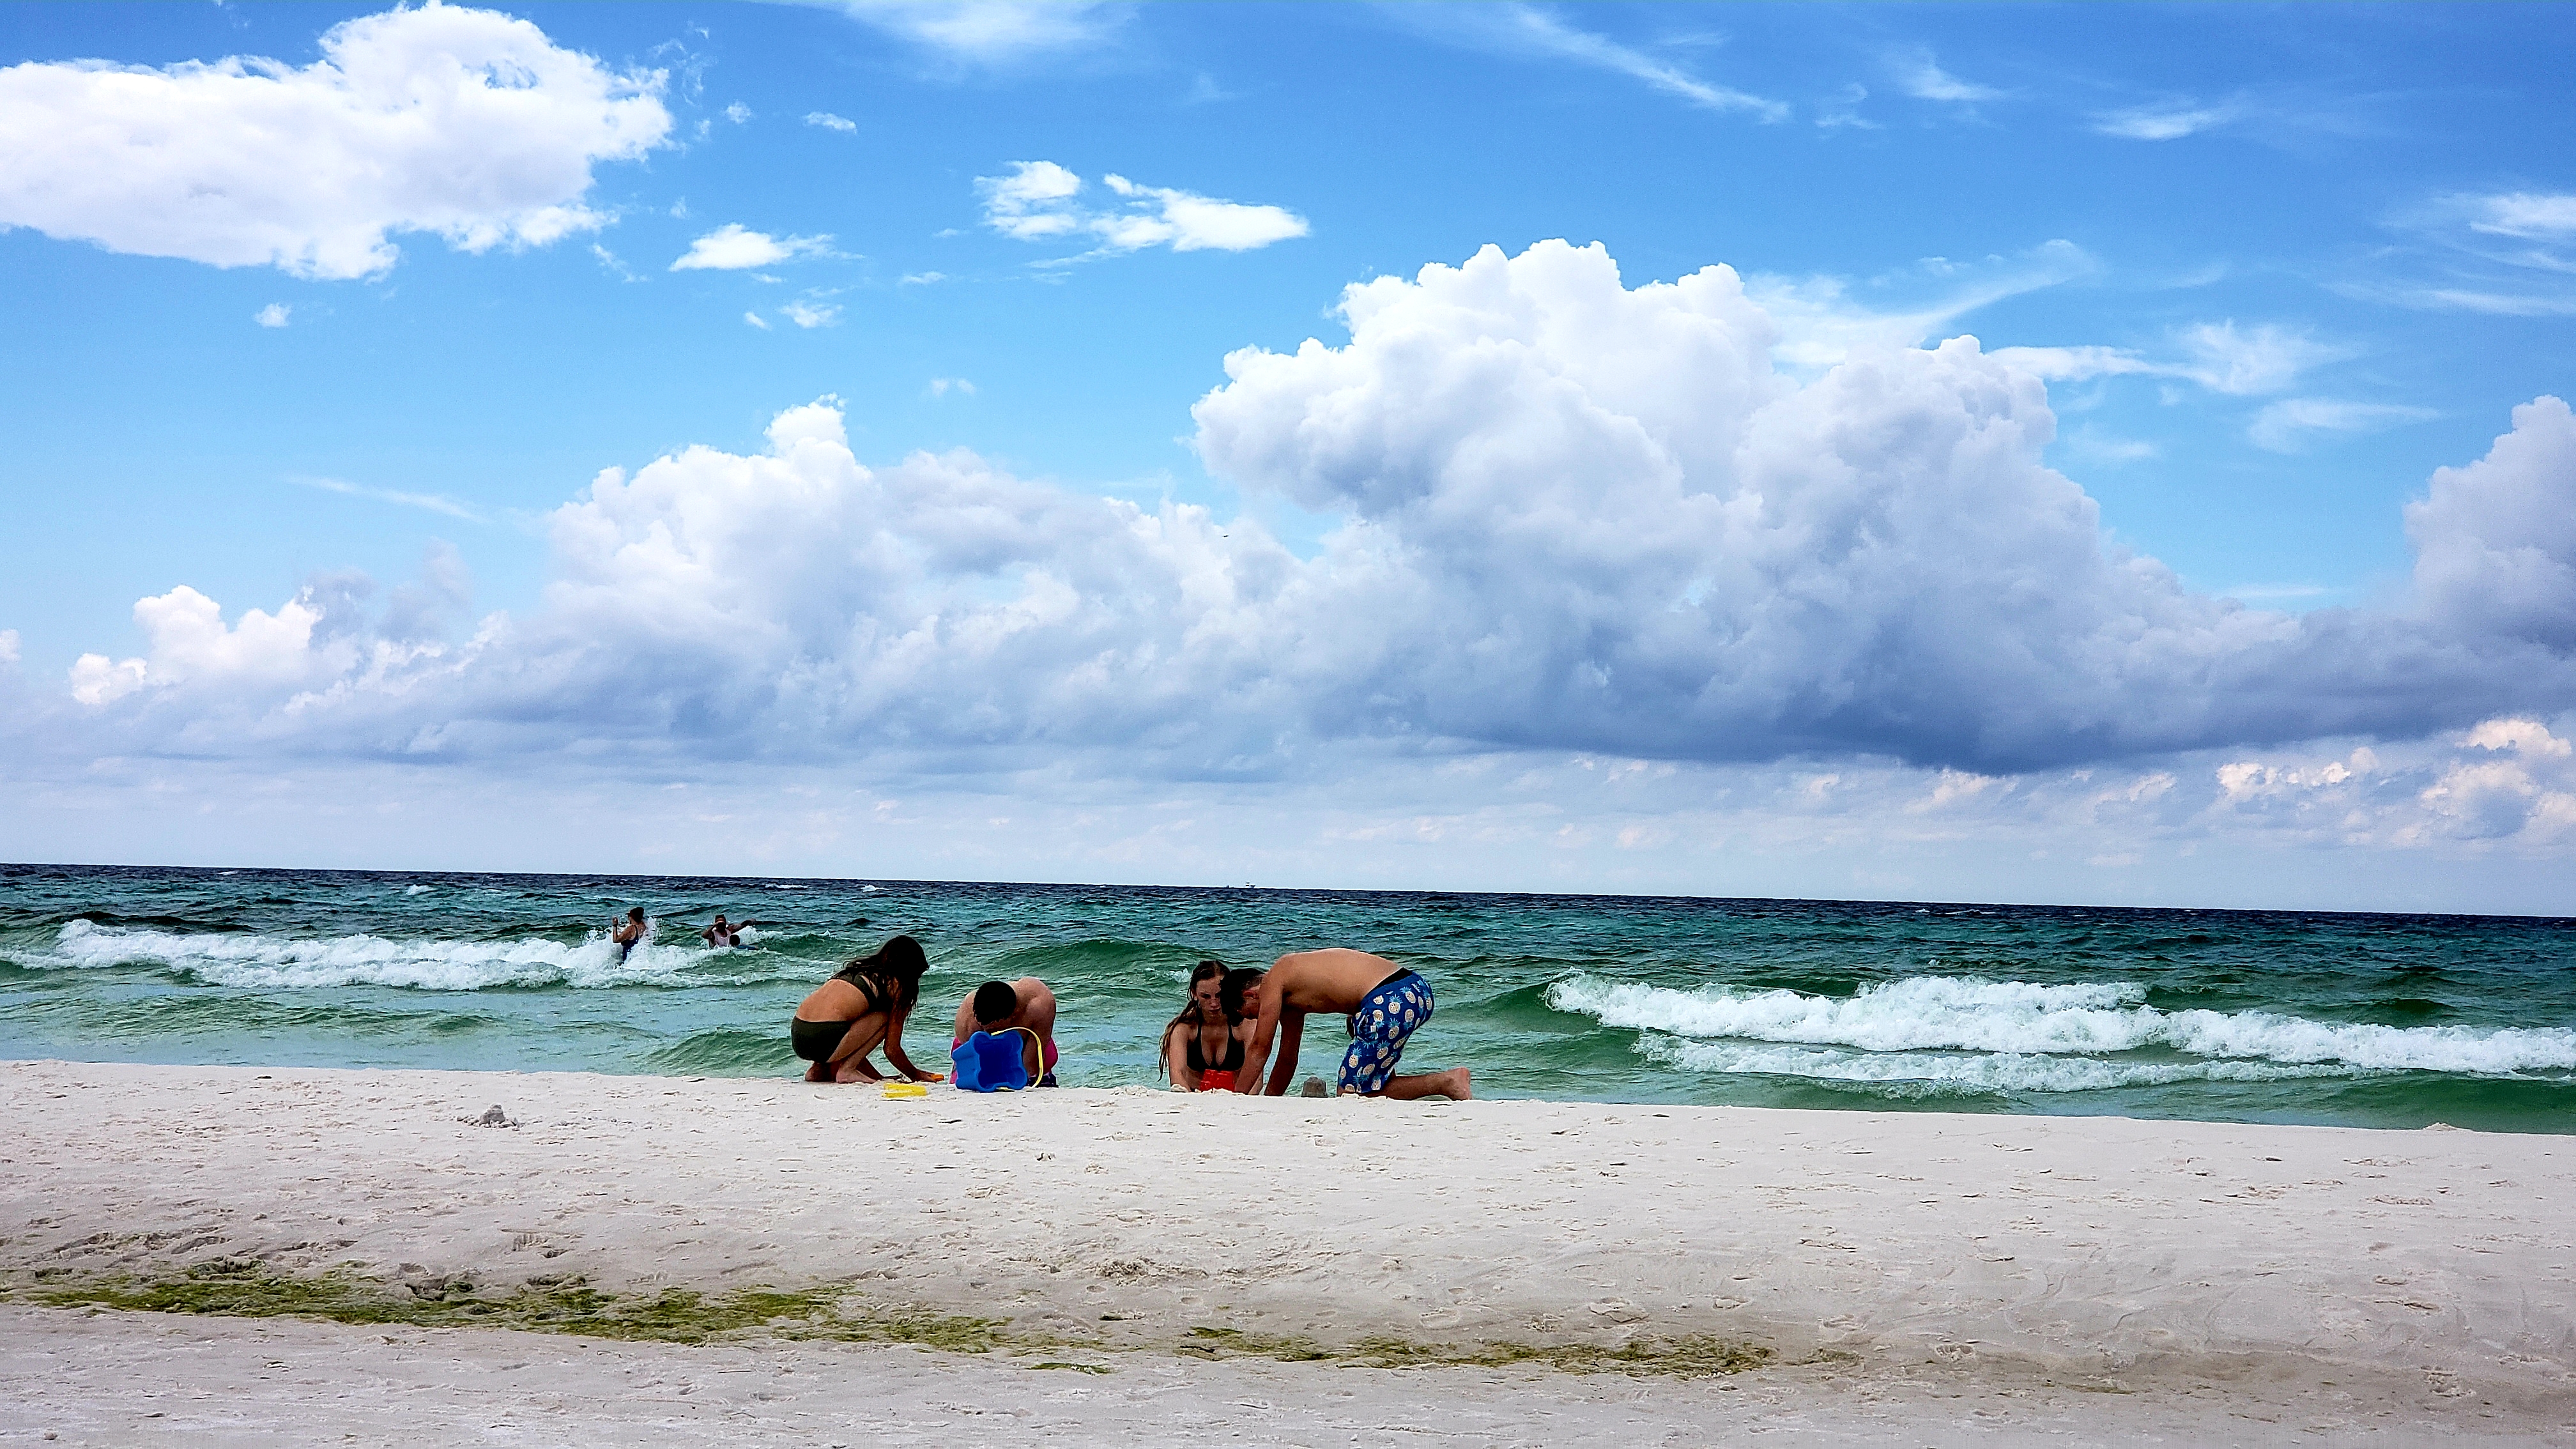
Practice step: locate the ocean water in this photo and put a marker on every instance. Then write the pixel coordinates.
(2365, 1020)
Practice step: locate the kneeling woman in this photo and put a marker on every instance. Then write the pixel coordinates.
(1203, 1046)
(862, 1007)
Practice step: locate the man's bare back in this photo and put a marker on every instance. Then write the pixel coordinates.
(1032, 1007)
(1339, 981)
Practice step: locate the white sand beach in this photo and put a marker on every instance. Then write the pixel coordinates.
(1916, 1279)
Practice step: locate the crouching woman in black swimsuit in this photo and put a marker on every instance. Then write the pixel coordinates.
(862, 1007)
(1203, 1046)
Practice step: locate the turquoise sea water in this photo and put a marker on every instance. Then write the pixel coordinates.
(2369, 1020)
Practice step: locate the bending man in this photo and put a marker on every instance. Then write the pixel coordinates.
(997, 1006)
(1386, 1003)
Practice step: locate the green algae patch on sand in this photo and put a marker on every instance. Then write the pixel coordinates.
(241, 1288)
(1691, 1356)
(233, 1288)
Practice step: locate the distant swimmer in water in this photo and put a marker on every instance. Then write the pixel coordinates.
(998, 1006)
(862, 1007)
(719, 936)
(629, 933)
(1203, 1046)
(1386, 1004)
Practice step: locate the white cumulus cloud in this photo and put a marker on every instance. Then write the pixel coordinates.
(272, 315)
(466, 124)
(1041, 201)
(736, 248)
(2496, 540)
(1573, 516)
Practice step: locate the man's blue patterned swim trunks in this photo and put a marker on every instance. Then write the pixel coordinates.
(1391, 1012)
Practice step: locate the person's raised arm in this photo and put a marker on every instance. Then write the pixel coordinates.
(1292, 1034)
(894, 1049)
(1265, 1029)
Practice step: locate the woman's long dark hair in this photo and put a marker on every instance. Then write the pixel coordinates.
(895, 967)
(1190, 1014)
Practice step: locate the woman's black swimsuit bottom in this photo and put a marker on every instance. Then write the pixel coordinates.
(815, 1041)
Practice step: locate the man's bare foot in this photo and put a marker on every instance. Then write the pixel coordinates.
(819, 1072)
(1451, 1084)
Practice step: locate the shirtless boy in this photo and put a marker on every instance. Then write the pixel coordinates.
(997, 1006)
(1386, 1003)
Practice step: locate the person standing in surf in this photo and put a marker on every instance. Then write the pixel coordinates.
(629, 933)
(863, 1007)
(1386, 1004)
(998, 1006)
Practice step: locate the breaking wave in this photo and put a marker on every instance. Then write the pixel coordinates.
(273, 962)
(2031, 1037)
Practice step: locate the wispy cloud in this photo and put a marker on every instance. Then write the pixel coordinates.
(434, 502)
(2532, 216)
(272, 315)
(2164, 121)
(614, 264)
(830, 122)
(987, 32)
(1539, 31)
(1844, 110)
(1041, 201)
(943, 386)
(2290, 424)
(2505, 254)
(921, 279)
(2219, 356)
(735, 248)
(756, 320)
(812, 314)
(1920, 76)
(1823, 318)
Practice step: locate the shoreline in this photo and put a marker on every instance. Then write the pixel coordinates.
(2135, 1256)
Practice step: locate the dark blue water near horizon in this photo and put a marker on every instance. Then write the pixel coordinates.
(2271, 1016)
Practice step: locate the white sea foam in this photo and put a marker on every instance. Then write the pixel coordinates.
(418, 890)
(427, 964)
(1933, 1074)
(2019, 1018)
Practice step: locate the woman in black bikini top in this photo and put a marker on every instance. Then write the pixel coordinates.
(1203, 1046)
(862, 1007)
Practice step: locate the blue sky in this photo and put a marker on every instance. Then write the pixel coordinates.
(2271, 268)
